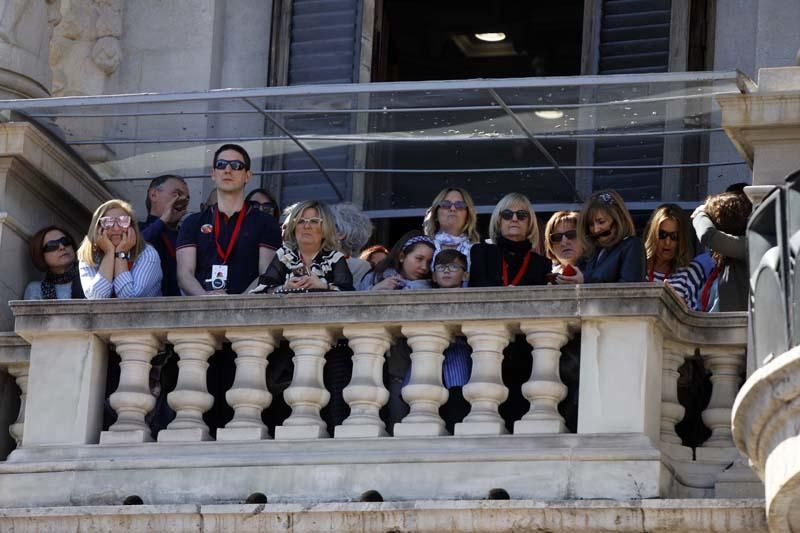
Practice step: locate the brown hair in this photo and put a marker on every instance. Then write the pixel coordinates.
(612, 204)
(36, 246)
(430, 224)
(550, 228)
(662, 213)
(374, 249)
(88, 252)
(729, 212)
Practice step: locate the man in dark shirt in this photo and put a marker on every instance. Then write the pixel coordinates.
(167, 200)
(224, 248)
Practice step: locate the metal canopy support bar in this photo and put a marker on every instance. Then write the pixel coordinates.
(302, 147)
(536, 143)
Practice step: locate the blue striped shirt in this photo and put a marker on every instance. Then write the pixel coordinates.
(142, 281)
(686, 281)
(457, 365)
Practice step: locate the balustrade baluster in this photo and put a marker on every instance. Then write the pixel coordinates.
(544, 389)
(132, 400)
(20, 373)
(365, 394)
(425, 392)
(672, 411)
(485, 390)
(190, 399)
(307, 394)
(249, 395)
(726, 365)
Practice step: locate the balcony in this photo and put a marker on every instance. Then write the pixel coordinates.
(633, 339)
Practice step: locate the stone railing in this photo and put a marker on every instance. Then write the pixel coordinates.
(633, 339)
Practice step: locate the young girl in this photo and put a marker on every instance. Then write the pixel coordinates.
(612, 250)
(408, 265)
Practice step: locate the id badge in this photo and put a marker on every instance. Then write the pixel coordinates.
(219, 272)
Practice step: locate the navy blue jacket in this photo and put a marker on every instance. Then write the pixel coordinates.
(624, 262)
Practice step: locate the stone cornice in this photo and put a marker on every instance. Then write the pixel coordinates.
(334, 310)
(13, 349)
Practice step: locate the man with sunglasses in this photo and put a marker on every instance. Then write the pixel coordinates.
(166, 202)
(224, 248)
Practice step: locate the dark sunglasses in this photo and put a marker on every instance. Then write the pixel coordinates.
(508, 214)
(671, 235)
(55, 244)
(458, 204)
(221, 164)
(571, 235)
(266, 207)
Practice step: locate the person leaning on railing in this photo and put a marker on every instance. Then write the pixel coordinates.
(407, 267)
(509, 260)
(52, 251)
(114, 259)
(561, 244)
(451, 221)
(669, 251)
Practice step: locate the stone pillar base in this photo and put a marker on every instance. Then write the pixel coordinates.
(300, 432)
(528, 427)
(134, 436)
(357, 431)
(480, 428)
(184, 435)
(419, 429)
(231, 434)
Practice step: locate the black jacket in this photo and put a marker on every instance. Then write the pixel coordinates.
(486, 268)
(622, 263)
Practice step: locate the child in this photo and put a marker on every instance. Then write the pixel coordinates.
(606, 231)
(449, 272)
(408, 265)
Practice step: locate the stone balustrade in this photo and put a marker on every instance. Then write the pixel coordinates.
(633, 339)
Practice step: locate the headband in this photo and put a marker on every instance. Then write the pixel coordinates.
(418, 239)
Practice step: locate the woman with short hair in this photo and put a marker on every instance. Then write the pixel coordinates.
(52, 250)
(114, 259)
(509, 260)
(451, 221)
(353, 230)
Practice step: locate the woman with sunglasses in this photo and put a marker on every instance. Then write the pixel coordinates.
(561, 243)
(114, 259)
(669, 252)
(52, 251)
(451, 221)
(262, 200)
(509, 260)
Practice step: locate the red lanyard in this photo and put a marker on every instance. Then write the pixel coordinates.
(168, 244)
(706, 294)
(225, 255)
(521, 272)
(667, 274)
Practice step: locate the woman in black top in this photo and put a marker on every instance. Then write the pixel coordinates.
(509, 260)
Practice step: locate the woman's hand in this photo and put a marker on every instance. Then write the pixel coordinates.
(389, 284)
(570, 280)
(104, 243)
(128, 241)
(309, 281)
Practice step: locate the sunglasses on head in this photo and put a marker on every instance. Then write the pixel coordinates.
(222, 164)
(571, 235)
(123, 221)
(458, 204)
(266, 207)
(508, 214)
(671, 235)
(55, 244)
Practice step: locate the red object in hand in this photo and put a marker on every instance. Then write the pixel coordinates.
(568, 271)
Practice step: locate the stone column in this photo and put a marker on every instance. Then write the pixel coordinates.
(20, 373)
(485, 390)
(544, 389)
(307, 394)
(25, 30)
(425, 392)
(190, 399)
(671, 410)
(365, 394)
(132, 400)
(726, 364)
(249, 395)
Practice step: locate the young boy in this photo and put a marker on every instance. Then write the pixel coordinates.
(450, 272)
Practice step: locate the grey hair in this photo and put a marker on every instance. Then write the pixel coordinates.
(354, 225)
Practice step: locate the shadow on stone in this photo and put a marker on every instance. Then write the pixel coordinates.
(256, 497)
(498, 494)
(133, 499)
(371, 496)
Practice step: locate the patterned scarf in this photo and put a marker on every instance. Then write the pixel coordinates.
(320, 266)
(51, 280)
(461, 243)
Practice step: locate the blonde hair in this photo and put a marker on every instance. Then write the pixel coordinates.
(505, 203)
(612, 204)
(88, 252)
(329, 241)
(430, 224)
(550, 228)
(662, 213)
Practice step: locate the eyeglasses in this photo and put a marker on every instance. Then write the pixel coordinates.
(123, 221)
(452, 267)
(55, 244)
(458, 204)
(222, 164)
(314, 221)
(571, 235)
(671, 235)
(266, 207)
(508, 214)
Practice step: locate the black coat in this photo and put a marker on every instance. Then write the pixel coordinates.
(486, 268)
(624, 262)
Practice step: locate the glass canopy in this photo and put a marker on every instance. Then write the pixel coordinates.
(392, 146)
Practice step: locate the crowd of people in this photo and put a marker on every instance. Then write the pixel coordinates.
(243, 243)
